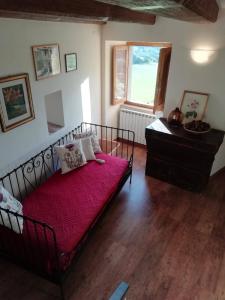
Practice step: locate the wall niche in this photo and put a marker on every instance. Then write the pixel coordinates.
(54, 111)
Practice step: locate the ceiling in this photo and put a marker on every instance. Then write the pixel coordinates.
(101, 11)
(187, 10)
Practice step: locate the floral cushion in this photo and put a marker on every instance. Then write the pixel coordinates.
(71, 156)
(94, 139)
(7, 201)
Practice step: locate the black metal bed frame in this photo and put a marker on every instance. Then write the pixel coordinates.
(28, 176)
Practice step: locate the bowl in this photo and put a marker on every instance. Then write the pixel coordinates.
(196, 132)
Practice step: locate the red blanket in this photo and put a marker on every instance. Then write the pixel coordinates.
(70, 202)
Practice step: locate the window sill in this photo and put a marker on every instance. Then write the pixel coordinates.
(138, 108)
(139, 105)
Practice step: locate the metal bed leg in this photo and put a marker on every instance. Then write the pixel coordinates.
(130, 178)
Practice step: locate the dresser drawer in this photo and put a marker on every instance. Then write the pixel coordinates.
(176, 174)
(181, 153)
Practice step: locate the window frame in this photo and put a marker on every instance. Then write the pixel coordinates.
(116, 48)
(129, 45)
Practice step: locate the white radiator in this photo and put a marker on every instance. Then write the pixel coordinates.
(136, 121)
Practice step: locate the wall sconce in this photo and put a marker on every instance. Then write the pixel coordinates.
(201, 56)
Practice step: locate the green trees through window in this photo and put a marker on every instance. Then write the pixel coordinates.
(143, 74)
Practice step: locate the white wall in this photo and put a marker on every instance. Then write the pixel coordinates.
(90, 42)
(16, 39)
(184, 73)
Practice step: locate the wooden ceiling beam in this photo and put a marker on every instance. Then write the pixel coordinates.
(207, 9)
(187, 10)
(68, 10)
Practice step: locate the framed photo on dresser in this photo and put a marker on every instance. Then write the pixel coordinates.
(193, 105)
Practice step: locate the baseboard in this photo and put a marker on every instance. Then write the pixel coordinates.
(130, 142)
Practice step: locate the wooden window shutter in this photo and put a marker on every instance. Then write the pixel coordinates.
(120, 74)
(162, 76)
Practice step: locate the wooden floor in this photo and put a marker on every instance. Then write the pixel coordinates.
(166, 243)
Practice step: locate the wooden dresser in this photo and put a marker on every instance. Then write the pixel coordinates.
(180, 158)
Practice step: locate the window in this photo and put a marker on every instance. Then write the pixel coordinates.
(140, 73)
(143, 70)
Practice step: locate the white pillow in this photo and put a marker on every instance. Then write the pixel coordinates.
(7, 201)
(94, 139)
(71, 156)
(95, 144)
(87, 148)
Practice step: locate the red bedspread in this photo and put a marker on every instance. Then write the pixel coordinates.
(69, 203)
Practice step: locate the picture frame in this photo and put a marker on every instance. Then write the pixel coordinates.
(71, 62)
(16, 105)
(193, 105)
(46, 60)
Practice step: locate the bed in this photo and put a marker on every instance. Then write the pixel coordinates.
(60, 211)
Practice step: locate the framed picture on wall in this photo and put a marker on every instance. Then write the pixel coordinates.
(71, 62)
(46, 60)
(16, 105)
(193, 105)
